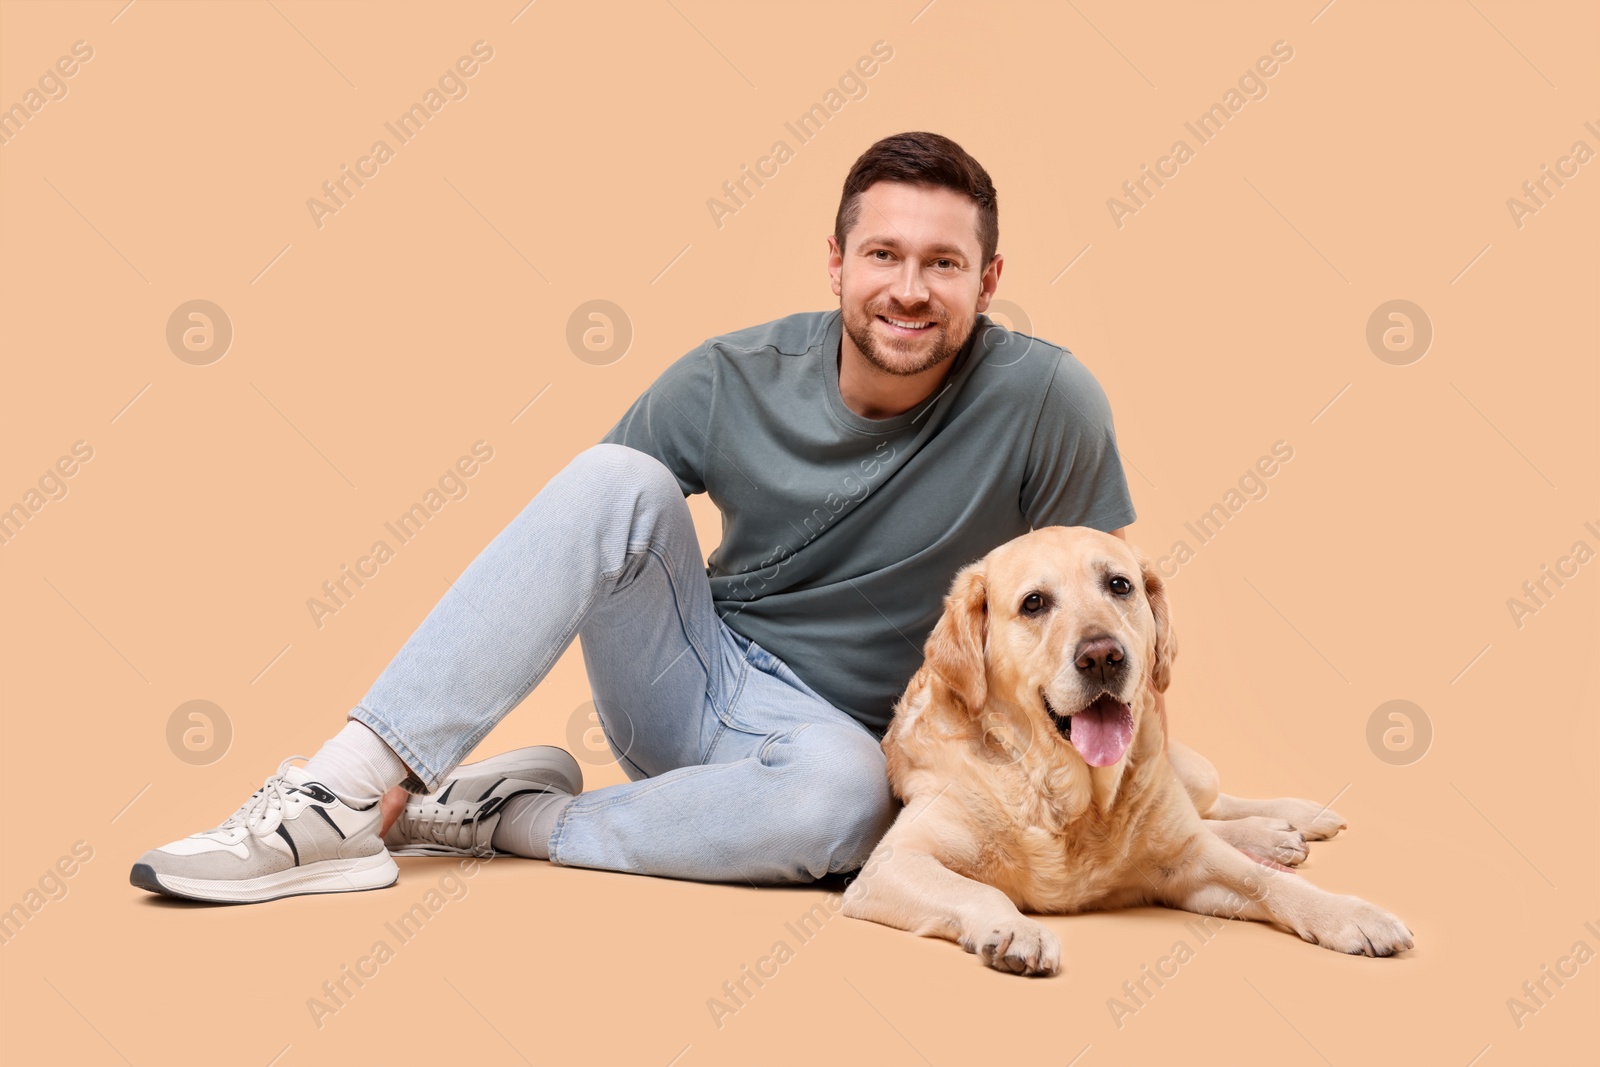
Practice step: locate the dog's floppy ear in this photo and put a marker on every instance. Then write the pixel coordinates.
(1155, 590)
(954, 650)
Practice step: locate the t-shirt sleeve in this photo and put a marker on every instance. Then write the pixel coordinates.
(1074, 473)
(670, 420)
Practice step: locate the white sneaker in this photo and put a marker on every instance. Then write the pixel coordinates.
(460, 818)
(292, 836)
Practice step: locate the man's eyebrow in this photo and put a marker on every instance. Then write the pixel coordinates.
(894, 242)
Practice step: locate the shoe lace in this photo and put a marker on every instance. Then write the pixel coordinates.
(272, 796)
(444, 825)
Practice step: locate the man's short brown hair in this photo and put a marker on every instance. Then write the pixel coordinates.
(922, 159)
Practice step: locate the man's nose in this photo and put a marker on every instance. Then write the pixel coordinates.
(1099, 658)
(912, 290)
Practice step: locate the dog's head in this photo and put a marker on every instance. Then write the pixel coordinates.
(1067, 627)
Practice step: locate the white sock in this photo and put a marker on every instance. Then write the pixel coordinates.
(357, 765)
(526, 823)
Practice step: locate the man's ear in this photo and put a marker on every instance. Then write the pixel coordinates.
(955, 649)
(1155, 590)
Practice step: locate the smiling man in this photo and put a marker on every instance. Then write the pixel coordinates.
(859, 457)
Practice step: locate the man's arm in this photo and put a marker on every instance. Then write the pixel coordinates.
(670, 419)
(1121, 531)
(1074, 472)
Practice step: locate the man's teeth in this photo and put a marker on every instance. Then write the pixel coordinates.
(904, 325)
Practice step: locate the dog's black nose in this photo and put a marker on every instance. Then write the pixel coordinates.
(1099, 657)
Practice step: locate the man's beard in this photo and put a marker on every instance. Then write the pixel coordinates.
(872, 345)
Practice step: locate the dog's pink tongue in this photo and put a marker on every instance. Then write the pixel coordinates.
(1102, 732)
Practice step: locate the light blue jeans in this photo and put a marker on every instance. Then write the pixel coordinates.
(739, 770)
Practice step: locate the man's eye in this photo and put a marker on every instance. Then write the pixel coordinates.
(1033, 603)
(1121, 586)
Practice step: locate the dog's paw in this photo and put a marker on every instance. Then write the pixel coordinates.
(1263, 838)
(1019, 946)
(1317, 821)
(1350, 924)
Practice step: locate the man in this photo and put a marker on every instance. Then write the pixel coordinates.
(859, 457)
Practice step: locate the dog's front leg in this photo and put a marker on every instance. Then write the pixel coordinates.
(1220, 880)
(905, 886)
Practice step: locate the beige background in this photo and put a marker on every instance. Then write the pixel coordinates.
(1229, 313)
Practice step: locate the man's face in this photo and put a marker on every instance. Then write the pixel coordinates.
(912, 257)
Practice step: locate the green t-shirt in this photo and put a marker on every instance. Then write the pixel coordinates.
(840, 533)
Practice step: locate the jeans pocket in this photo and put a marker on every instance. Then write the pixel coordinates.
(768, 663)
(740, 651)
(763, 661)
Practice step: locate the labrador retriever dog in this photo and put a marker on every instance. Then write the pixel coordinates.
(1030, 752)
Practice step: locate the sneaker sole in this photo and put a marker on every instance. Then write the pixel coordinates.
(378, 871)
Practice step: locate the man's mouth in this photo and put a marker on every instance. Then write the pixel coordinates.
(906, 327)
(1101, 731)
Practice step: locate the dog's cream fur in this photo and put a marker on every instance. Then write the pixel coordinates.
(1003, 815)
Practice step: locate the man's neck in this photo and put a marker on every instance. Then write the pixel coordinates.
(875, 394)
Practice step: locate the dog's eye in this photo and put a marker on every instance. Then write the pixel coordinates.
(1034, 603)
(1120, 585)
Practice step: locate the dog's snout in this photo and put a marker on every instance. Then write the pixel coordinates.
(1099, 657)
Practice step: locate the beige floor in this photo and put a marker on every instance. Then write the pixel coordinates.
(211, 498)
(519, 961)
